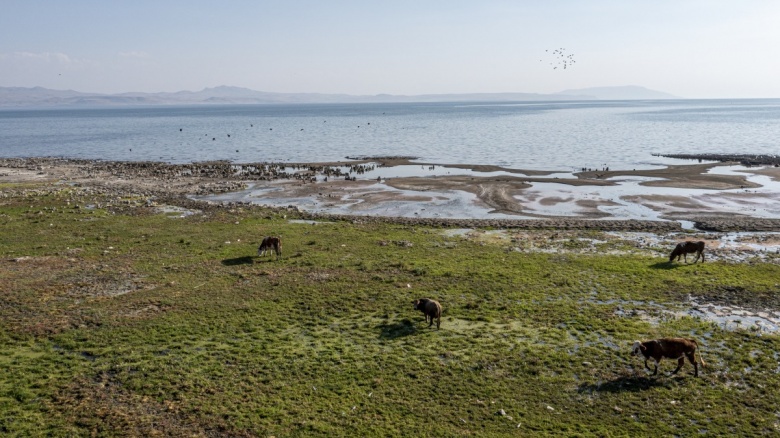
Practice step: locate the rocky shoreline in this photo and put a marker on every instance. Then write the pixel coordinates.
(153, 183)
(744, 159)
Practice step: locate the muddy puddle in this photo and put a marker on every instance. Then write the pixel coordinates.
(173, 211)
(727, 317)
(735, 317)
(729, 247)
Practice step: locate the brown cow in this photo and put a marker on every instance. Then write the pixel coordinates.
(688, 247)
(671, 348)
(270, 243)
(430, 308)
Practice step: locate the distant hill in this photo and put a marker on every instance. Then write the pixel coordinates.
(18, 96)
(628, 92)
(43, 97)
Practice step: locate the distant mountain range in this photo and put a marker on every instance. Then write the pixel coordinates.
(628, 92)
(44, 97)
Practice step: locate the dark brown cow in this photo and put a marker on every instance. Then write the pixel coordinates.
(271, 243)
(671, 348)
(430, 308)
(688, 247)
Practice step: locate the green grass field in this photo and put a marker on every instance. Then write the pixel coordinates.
(127, 321)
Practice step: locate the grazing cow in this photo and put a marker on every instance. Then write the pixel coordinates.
(671, 348)
(688, 247)
(430, 308)
(270, 243)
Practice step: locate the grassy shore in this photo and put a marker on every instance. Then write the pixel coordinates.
(121, 318)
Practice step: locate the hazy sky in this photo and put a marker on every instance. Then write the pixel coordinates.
(690, 48)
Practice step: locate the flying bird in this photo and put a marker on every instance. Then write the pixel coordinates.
(560, 58)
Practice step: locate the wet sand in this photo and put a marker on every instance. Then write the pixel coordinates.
(714, 196)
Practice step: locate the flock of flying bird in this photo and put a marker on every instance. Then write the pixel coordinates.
(560, 58)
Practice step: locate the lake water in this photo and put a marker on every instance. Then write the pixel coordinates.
(560, 136)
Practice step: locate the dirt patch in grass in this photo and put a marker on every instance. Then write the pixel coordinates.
(101, 406)
(49, 294)
(741, 297)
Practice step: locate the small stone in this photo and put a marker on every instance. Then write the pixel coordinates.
(501, 412)
(617, 409)
(550, 408)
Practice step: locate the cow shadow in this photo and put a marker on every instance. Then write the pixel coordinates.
(397, 330)
(245, 260)
(624, 384)
(666, 265)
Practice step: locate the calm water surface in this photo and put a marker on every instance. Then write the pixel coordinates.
(550, 136)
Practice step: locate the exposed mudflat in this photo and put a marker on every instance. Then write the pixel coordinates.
(709, 196)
